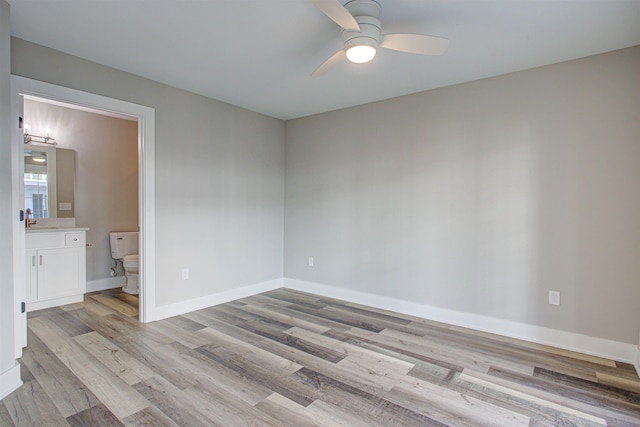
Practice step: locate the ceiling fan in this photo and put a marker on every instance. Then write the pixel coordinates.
(362, 34)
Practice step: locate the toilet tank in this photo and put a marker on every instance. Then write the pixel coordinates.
(123, 243)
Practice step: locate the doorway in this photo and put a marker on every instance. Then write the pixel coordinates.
(145, 117)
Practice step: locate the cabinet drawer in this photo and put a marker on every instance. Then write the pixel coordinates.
(44, 240)
(74, 239)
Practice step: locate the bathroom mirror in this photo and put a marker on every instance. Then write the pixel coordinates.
(49, 181)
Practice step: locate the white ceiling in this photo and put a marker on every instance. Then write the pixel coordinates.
(259, 54)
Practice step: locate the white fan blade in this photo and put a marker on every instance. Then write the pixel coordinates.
(329, 63)
(337, 13)
(415, 43)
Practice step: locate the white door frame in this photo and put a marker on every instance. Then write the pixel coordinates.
(146, 183)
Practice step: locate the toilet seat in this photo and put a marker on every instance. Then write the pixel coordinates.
(131, 261)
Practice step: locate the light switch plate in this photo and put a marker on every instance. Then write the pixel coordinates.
(554, 297)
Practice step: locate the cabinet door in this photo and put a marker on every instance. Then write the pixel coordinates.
(59, 272)
(31, 276)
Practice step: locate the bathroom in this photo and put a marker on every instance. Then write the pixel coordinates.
(105, 196)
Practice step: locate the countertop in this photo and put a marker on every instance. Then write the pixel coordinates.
(55, 229)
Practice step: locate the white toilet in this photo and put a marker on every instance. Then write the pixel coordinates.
(124, 247)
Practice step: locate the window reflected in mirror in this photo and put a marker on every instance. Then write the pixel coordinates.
(36, 183)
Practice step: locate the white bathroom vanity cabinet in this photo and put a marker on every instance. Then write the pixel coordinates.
(56, 267)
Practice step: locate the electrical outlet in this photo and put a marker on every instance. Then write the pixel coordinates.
(310, 261)
(185, 274)
(554, 297)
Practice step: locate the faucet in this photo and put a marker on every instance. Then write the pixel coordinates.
(29, 222)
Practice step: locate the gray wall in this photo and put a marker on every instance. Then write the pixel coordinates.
(481, 197)
(219, 176)
(106, 196)
(65, 181)
(7, 218)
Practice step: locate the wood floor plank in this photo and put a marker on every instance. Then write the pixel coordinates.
(69, 323)
(377, 361)
(279, 365)
(149, 417)
(296, 297)
(536, 346)
(225, 328)
(132, 300)
(296, 314)
(331, 415)
(288, 411)
(264, 298)
(95, 416)
(630, 384)
(390, 347)
(68, 394)
(511, 351)
(457, 356)
(175, 332)
(114, 358)
(31, 406)
(116, 395)
(234, 383)
(94, 307)
(428, 352)
(186, 324)
(487, 382)
(215, 314)
(276, 334)
(588, 389)
(71, 307)
(287, 319)
(563, 395)
(459, 406)
(290, 358)
(372, 408)
(340, 317)
(5, 418)
(173, 403)
(127, 333)
(283, 385)
(225, 409)
(116, 305)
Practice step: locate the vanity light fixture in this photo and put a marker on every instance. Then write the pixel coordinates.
(46, 139)
(39, 159)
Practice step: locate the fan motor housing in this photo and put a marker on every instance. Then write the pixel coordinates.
(364, 8)
(369, 33)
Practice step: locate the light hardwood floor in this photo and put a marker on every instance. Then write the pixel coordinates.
(287, 358)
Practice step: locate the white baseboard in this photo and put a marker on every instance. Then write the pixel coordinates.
(102, 284)
(594, 346)
(10, 380)
(55, 302)
(182, 307)
(636, 364)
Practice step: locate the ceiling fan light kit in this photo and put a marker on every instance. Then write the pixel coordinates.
(361, 46)
(362, 34)
(361, 54)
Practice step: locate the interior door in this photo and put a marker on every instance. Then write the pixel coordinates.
(19, 267)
